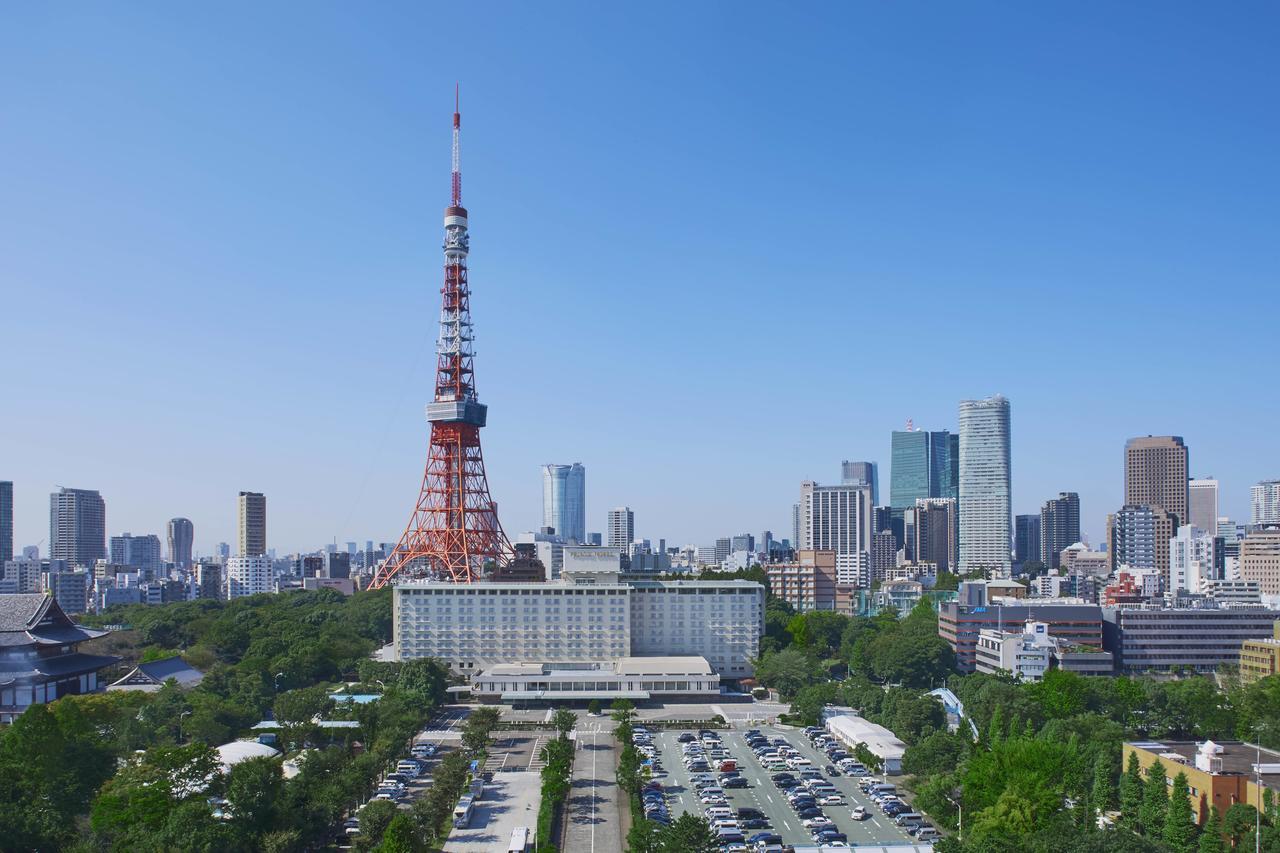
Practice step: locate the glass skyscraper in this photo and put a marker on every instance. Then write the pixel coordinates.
(564, 500)
(985, 491)
(923, 465)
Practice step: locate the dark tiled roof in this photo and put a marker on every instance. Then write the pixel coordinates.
(174, 667)
(63, 665)
(36, 619)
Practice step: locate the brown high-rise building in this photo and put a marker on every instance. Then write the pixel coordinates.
(1155, 474)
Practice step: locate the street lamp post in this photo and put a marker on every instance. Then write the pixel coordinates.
(180, 716)
(954, 799)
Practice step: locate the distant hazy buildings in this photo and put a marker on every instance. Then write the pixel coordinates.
(1026, 539)
(77, 526)
(1155, 474)
(622, 527)
(181, 537)
(6, 522)
(1202, 504)
(861, 474)
(253, 524)
(1059, 527)
(986, 515)
(1265, 501)
(564, 501)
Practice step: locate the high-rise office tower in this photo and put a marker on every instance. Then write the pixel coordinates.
(77, 526)
(742, 542)
(139, 552)
(836, 518)
(795, 525)
(253, 524)
(1265, 503)
(922, 465)
(1026, 539)
(6, 522)
(1202, 504)
(986, 519)
(908, 468)
(1059, 527)
(1155, 474)
(564, 501)
(723, 549)
(181, 536)
(861, 474)
(622, 527)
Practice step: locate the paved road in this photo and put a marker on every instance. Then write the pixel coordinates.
(592, 821)
(510, 800)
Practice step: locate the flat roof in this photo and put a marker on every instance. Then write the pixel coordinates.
(576, 694)
(1238, 757)
(671, 666)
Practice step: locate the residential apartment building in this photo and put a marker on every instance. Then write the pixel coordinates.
(836, 518)
(1265, 503)
(142, 553)
(77, 526)
(250, 576)
(986, 517)
(252, 511)
(1155, 474)
(6, 521)
(1025, 654)
(808, 583)
(936, 533)
(1158, 639)
(1192, 559)
(1059, 527)
(622, 527)
(1140, 537)
(181, 534)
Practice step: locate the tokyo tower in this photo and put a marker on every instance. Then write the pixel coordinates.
(454, 528)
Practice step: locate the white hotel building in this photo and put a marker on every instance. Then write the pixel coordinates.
(588, 616)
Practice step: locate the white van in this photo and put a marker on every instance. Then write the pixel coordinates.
(719, 813)
(799, 762)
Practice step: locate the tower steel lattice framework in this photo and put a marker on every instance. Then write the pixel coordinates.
(454, 528)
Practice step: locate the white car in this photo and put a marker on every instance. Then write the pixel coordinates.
(859, 813)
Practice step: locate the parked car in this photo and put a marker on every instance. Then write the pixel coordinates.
(859, 813)
(735, 782)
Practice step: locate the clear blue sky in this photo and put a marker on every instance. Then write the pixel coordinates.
(716, 248)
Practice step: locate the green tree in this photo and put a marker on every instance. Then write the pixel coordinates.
(1179, 823)
(563, 721)
(622, 711)
(1211, 835)
(1238, 824)
(593, 707)
(644, 837)
(787, 671)
(939, 752)
(253, 787)
(1155, 801)
(1103, 794)
(1131, 792)
(400, 836)
(375, 817)
(690, 834)
(628, 772)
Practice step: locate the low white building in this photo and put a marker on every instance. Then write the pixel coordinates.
(851, 730)
(635, 678)
(1027, 654)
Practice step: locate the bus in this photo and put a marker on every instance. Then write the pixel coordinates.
(462, 812)
(519, 840)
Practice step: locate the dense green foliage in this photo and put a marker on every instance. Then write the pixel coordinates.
(136, 771)
(557, 756)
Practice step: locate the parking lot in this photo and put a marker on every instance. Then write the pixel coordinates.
(762, 794)
(510, 800)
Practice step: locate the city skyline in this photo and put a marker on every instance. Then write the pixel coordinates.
(908, 187)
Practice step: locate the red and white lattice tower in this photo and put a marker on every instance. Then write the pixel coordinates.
(454, 528)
